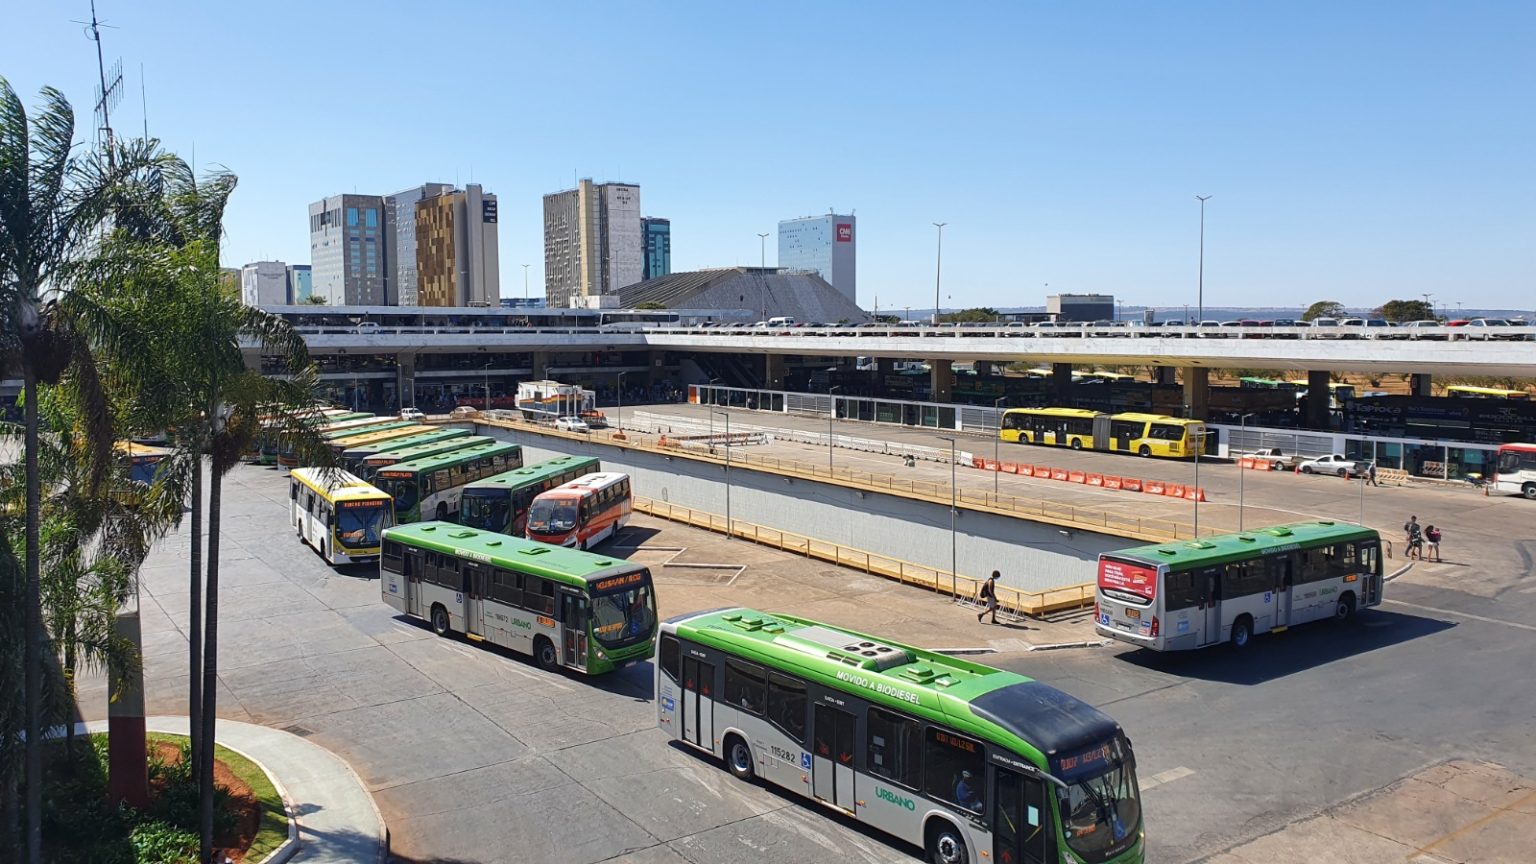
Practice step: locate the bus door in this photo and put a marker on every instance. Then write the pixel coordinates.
(573, 614)
(832, 733)
(1020, 820)
(699, 702)
(474, 599)
(413, 568)
(1210, 601)
(1282, 573)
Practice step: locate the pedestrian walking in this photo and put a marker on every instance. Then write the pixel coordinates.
(1432, 534)
(988, 596)
(1370, 476)
(1414, 536)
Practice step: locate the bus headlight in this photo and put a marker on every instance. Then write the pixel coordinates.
(601, 655)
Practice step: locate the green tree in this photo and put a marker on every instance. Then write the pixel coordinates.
(651, 304)
(979, 315)
(1323, 309)
(1399, 311)
(314, 300)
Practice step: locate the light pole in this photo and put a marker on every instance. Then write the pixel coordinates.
(488, 385)
(938, 270)
(908, 318)
(1429, 303)
(1200, 297)
(762, 266)
(954, 513)
(831, 415)
(1241, 476)
(727, 416)
(621, 402)
(525, 282)
(997, 438)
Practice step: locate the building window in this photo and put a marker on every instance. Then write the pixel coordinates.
(372, 218)
(351, 217)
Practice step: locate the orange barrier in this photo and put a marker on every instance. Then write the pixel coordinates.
(1010, 468)
(1153, 487)
(1245, 462)
(989, 465)
(1106, 481)
(1111, 482)
(1130, 484)
(978, 462)
(1076, 476)
(1058, 474)
(1194, 493)
(1095, 480)
(1173, 490)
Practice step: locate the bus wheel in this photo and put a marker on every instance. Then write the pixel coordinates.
(738, 757)
(442, 511)
(1529, 491)
(1346, 608)
(1077, 443)
(439, 620)
(544, 654)
(1144, 450)
(945, 845)
(1242, 632)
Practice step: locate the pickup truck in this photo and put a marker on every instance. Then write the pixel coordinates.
(1334, 464)
(1277, 460)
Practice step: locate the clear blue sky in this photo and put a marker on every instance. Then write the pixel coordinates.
(1355, 151)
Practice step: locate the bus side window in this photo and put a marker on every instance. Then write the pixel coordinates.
(391, 560)
(744, 685)
(668, 654)
(786, 706)
(547, 596)
(1181, 591)
(1370, 557)
(955, 769)
(504, 588)
(293, 491)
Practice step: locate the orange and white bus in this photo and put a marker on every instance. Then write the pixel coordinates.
(583, 512)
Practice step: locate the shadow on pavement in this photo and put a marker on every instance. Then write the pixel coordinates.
(1275, 656)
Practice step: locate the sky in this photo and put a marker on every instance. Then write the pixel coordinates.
(1356, 152)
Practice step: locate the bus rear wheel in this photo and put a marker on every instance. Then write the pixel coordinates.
(1242, 632)
(945, 845)
(442, 511)
(1529, 491)
(1077, 443)
(440, 620)
(738, 757)
(544, 654)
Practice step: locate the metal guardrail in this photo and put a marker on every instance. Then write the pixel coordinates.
(940, 581)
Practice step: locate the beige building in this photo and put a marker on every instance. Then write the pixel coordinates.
(456, 255)
(592, 241)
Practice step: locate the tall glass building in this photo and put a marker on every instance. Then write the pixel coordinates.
(824, 245)
(656, 234)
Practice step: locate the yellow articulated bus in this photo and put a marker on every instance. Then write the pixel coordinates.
(1466, 392)
(1082, 429)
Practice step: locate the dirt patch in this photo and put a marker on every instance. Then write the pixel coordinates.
(242, 801)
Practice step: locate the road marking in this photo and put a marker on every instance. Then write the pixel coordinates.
(1469, 616)
(1168, 776)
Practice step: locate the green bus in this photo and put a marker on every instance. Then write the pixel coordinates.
(267, 449)
(565, 608)
(1226, 588)
(352, 457)
(969, 762)
(501, 503)
(373, 464)
(431, 484)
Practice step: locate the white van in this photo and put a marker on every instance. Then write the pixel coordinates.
(786, 321)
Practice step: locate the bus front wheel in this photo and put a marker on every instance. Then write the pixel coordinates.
(945, 845)
(442, 512)
(544, 654)
(1346, 608)
(1242, 632)
(1077, 443)
(1144, 450)
(1529, 491)
(439, 620)
(738, 757)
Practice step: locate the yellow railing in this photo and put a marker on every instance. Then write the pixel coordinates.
(931, 578)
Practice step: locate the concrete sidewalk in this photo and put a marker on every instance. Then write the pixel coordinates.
(337, 819)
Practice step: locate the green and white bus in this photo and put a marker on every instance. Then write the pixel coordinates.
(1226, 588)
(352, 457)
(972, 763)
(566, 609)
(501, 503)
(431, 484)
(378, 461)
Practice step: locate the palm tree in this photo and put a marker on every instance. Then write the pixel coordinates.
(51, 207)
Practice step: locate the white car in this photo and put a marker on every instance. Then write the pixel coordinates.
(412, 414)
(572, 424)
(1333, 464)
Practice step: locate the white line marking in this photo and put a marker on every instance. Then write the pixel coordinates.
(1168, 776)
(1467, 615)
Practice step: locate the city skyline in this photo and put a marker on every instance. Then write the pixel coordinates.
(1354, 153)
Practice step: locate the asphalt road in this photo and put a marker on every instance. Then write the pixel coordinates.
(476, 756)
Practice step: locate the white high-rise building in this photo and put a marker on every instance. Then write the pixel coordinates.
(265, 283)
(592, 241)
(346, 249)
(825, 245)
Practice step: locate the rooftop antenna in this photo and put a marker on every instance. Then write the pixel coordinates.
(143, 102)
(110, 88)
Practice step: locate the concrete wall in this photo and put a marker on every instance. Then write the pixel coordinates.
(1031, 556)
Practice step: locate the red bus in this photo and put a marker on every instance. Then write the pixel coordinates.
(583, 512)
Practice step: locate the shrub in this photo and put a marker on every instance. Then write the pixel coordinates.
(158, 843)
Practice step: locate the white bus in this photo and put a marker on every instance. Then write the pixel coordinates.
(1515, 472)
(581, 513)
(338, 514)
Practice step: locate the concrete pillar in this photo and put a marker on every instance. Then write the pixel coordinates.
(1164, 375)
(405, 379)
(127, 762)
(1197, 391)
(1061, 381)
(773, 371)
(941, 377)
(1419, 384)
(540, 365)
(985, 368)
(1315, 409)
(884, 366)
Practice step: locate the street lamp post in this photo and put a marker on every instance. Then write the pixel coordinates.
(1200, 296)
(997, 438)
(1241, 476)
(938, 270)
(488, 385)
(954, 514)
(831, 415)
(762, 266)
(525, 282)
(727, 416)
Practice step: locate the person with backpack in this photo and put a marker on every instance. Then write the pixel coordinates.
(1432, 534)
(1414, 536)
(988, 596)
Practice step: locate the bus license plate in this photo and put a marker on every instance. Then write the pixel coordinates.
(1133, 613)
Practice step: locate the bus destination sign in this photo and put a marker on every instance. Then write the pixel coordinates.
(1080, 764)
(619, 581)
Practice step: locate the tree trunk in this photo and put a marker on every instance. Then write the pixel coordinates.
(195, 625)
(70, 629)
(32, 652)
(210, 664)
(127, 752)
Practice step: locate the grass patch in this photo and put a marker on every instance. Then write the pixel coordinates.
(273, 829)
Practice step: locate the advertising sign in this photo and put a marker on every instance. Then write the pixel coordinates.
(1138, 579)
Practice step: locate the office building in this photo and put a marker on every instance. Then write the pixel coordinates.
(1081, 307)
(457, 262)
(824, 245)
(401, 279)
(264, 283)
(592, 242)
(657, 234)
(300, 285)
(346, 249)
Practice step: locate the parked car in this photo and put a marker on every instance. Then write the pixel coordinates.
(1485, 329)
(412, 414)
(1277, 460)
(1333, 464)
(572, 424)
(1424, 329)
(463, 411)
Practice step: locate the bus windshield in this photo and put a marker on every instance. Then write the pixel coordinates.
(624, 617)
(360, 525)
(487, 512)
(1103, 812)
(552, 515)
(403, 490)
